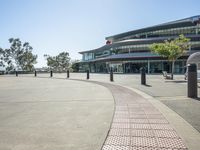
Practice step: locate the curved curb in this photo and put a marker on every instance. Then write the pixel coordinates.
(187, 132)
(124, 141)
(190, 135)
(98, 139)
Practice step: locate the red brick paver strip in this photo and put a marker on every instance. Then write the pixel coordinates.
(138, 125)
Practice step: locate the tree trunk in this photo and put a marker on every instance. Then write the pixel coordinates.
(172, 75)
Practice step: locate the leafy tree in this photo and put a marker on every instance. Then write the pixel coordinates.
(1, 57)
(51, 61)
(59, 63)
(19, 55)
(12, 53)
(171, 49)
(27, 59)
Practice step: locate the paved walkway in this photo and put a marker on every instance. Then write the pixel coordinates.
(51, 114)
(156, 84)
(141, 122)
(138, 125)
(171, 93)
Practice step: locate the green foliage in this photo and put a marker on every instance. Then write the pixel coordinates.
(1, 57)
(19, 56)
(171, 49)
(59, 63)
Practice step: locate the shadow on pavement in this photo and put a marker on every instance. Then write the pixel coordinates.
(177, 81)
(147, 85)
(198, 98)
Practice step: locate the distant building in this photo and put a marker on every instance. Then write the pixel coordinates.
(128, 52)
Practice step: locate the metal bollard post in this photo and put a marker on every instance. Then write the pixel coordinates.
(35, 73)
(192, 80)
(111, 75)
(67, 73)
(16, 72)
(88, 75)
(51, 73)
(143, 75)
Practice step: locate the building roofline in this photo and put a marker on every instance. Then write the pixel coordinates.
(189, 20)
(135, 41)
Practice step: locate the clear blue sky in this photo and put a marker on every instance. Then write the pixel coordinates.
(53, 26)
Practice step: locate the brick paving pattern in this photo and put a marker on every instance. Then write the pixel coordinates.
(138, 125)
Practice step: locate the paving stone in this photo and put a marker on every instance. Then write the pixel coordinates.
(118, 140)
(144, 148)
(138, 125)
(154, 116)
(142, 133)
(170, 143)
(141, 126)
(166, 133)
(161, 126)
(139, 121)
(158, 121)
(138, 116)
(143, 142)
(121, 120)
(114, 147)
(119, 132)
(120, 125)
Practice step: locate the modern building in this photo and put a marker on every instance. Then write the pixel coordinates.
(128, 52)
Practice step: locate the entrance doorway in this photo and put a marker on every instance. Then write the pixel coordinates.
(167, 67)
(134, 67)
(117, 68)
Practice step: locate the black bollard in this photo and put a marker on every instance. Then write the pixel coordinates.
(16, 72)
(51, 73)
(67, 73)
(35, 73)
(111, 75)
(88, 75)
(143, 75)
(192, 80)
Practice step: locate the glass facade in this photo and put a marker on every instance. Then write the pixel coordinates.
(163, 33)
(88, 56)
(102, 54)
(137, 43)
(138, 48)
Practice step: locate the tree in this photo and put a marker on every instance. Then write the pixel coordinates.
(19, 56)
(1, 57)
(27, 59)
(59, 63)
(171, 49)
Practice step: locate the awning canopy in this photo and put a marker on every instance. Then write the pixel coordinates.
(144, 55)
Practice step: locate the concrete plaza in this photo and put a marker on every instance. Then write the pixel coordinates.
(45, 114)
(31, 95)
(171, 93)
